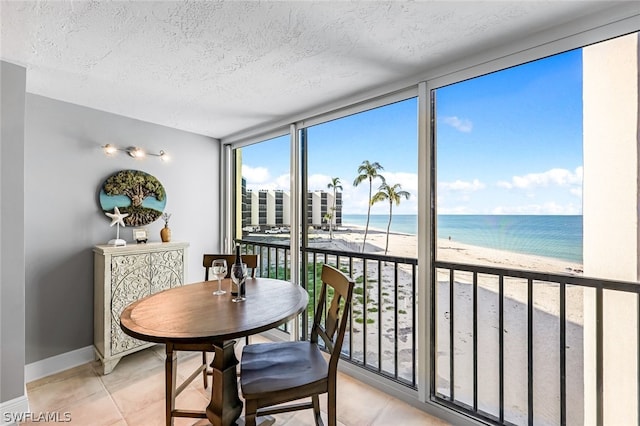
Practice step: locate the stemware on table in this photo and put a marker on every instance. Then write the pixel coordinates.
(238, 276)
(219, 269)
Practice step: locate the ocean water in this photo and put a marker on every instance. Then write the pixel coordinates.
(558, 237)
(402, 223)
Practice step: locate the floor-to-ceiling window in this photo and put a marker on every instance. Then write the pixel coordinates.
(536, 172)
(360, 199)
(517, 165)
(509, 195)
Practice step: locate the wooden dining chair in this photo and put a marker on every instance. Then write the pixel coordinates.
(250, 259)
(276, 373)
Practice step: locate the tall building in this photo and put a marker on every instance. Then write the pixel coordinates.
(246, 207)
(269, 208)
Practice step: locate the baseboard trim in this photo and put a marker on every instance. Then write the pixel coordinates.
(55, 364)
(17, 405)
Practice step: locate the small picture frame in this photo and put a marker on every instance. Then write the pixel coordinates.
(140, 235)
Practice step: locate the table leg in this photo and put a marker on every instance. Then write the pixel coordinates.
(225, 406)
(170, 378)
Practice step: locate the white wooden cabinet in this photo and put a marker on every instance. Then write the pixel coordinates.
(123, 275)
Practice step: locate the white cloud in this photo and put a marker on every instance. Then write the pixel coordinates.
(553, 177)
(283, 182)
(259, 178)
(576, 191)
(461, 124)
(319, 182)
(462, 186)
(255, 174)
(280, 183)
(408, 181)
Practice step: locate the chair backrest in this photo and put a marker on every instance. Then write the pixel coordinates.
(250, 259)
(336, 315)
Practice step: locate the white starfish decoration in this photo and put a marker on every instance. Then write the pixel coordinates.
(117, 217)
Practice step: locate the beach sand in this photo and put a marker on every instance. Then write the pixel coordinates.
(406, 245)
(380, 302)
(546, 325)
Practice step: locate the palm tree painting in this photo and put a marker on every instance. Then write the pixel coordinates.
(393, 194)
(335, 184)
(368, 171)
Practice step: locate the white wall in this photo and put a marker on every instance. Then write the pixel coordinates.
(610, 215)
(12, 259)
(64, 169)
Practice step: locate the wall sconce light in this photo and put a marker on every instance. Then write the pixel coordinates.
(163, 155)
(134, 152)
(109, 149)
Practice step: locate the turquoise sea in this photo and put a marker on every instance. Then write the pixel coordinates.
(558, 237)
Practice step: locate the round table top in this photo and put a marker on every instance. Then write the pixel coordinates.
(192, 314)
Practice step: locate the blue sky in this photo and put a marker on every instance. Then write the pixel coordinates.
(507, 143)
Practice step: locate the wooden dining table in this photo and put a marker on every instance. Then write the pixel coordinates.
(191, 318)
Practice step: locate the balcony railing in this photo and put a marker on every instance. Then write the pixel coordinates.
(507, 345)
(381, 337)
(504, 340)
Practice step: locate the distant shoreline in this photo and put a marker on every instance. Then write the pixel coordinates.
(552, 236)
(350, 238)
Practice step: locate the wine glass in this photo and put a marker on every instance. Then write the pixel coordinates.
(238, 276)
(219, 269)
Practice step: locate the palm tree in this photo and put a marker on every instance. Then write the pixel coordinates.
(327, 218)
(368, 171)
(393, 194)
(335, 184)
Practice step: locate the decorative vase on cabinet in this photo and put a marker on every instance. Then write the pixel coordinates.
(123, 275)
(165, 234)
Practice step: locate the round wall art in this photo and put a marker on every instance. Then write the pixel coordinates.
(135, 193)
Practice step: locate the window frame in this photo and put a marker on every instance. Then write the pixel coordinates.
(577, 34)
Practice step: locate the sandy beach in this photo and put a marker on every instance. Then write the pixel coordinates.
(374, 314)
(546, 324)
(406, 245)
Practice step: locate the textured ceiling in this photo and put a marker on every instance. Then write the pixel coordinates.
(216, 68)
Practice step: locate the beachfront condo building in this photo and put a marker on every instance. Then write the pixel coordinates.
(264, 209)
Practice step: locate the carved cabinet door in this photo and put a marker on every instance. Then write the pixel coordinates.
(130, 281)
(166, 270)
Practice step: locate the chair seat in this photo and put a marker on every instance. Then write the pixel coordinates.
(272, 374)
(271, 367)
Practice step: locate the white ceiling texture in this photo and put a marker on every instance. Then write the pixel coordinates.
(217, 68)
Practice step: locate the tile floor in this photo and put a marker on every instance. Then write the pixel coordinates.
(133, 395)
